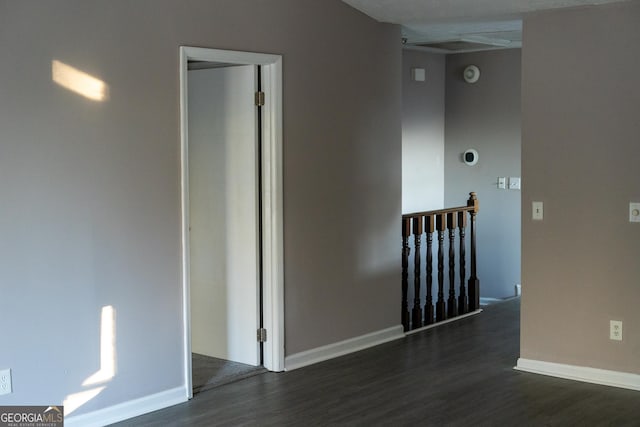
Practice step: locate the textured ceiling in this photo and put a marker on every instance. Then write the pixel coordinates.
(495, 23)
(433, 11)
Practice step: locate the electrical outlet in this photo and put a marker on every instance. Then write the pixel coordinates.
(634, 212)
(615, 330)
(5, 381)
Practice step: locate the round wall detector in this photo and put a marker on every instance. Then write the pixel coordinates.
(471, 74)
(470, 157)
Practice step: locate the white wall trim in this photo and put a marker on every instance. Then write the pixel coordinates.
(184, 225)
(126, 410)
(330, 351)
(487, 301)
(272, 192)
(443, 322)
(581, 373)
(273, 213)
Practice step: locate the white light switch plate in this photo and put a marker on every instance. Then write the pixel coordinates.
(502, 183)
(634, 212)
(538, 211)
(514, 183)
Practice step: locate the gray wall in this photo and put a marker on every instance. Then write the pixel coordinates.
(422, 132)
(580, 156)
(90, 213)
(486, 116)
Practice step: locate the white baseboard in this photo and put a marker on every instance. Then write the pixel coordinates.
(487, 301)
(581, 373)
(443, 322)
(130, 409)
(320, 354)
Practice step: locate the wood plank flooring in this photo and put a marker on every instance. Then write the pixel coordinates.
(210, 372)
(459, 374)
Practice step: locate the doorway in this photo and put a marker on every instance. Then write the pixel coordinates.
(231, 208)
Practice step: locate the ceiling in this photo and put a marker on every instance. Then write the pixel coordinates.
(454, 26)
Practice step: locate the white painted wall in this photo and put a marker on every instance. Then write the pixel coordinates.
(422, 133)
(571, 287)
(486, 116)
(223, 213)
(90, 215)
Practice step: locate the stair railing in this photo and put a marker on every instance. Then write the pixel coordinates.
(439, 222)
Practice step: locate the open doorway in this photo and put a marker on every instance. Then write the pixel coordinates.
(224, 222)
(232, 215)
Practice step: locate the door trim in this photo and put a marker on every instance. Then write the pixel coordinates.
(272, 206)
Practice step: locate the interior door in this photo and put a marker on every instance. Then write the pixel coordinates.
(223, 213)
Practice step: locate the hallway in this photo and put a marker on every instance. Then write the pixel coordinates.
(460, 374)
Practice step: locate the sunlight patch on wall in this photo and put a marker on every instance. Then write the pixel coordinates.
(79, 82)
(107, 348)
(107, 363)
(76, 400)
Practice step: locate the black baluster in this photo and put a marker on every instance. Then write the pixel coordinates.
(440, 304)
(429, 227)
(463, 307)
(416, 313)
(452, 310)
(406, 231)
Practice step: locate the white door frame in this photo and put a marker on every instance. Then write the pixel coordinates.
(272, 228)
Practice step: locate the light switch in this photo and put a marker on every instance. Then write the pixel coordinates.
(634, 212)
(514, 183)
(502, 182)
(538, 211)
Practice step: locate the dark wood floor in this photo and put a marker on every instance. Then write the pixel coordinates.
(210, 372)
(459, 374)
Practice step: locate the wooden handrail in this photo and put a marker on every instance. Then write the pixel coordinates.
(472, 206)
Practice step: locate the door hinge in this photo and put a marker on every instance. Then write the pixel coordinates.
(259, 99)
(262, 335)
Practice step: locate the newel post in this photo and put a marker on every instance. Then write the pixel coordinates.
(474, 282)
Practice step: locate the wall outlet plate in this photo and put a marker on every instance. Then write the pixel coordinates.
(634, 212)
(615, 330)
(5, 381)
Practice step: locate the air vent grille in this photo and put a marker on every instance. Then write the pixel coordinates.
(457, 45)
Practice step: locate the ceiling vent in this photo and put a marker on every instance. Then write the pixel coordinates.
(456, 46)
(465, 40)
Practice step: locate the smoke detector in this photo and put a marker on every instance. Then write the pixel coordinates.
(471, 74)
